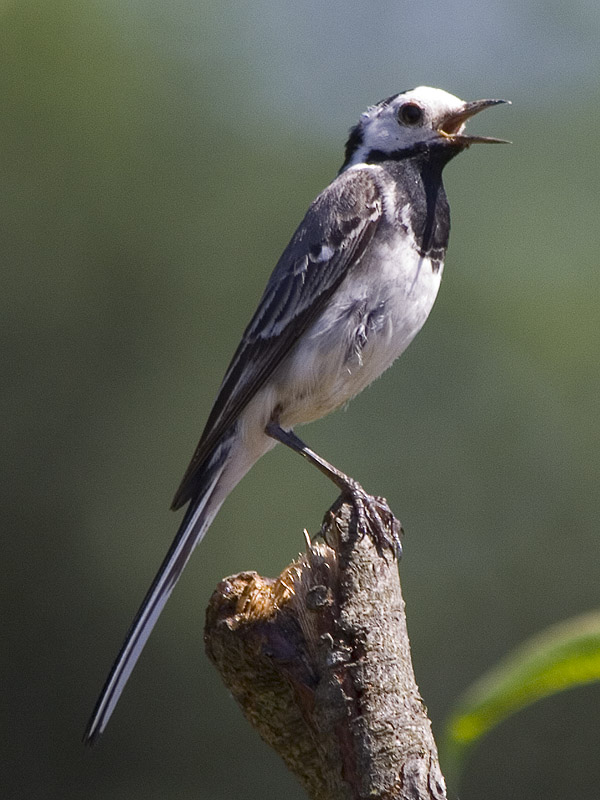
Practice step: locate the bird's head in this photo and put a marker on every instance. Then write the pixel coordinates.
(406, 124)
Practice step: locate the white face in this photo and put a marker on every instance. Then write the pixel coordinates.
(409, 118)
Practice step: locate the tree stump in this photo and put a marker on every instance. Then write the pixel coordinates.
(319, 661)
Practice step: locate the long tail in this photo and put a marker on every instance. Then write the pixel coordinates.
(197, 519)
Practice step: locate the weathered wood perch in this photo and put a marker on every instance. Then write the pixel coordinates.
(319, 660)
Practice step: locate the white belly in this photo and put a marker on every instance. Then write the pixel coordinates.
(374, 315)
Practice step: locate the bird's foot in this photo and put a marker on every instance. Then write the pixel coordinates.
(373, 515)
(373, 518)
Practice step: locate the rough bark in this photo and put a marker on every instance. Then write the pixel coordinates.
(319, 661)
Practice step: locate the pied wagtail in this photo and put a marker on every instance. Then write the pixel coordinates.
(352, 289)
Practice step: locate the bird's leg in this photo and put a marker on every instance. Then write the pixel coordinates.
(373, 513)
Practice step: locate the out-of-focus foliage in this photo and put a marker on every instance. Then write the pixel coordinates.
(565, 656)
(155, 159)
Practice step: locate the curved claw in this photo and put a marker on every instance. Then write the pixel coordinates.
(375, 518)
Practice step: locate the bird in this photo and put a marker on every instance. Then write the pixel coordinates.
(351, 290)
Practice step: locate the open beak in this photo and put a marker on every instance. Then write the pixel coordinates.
(451, 125)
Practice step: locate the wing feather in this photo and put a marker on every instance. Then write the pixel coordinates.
(329, 242)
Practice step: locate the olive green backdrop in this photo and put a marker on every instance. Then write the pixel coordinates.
(155, 158)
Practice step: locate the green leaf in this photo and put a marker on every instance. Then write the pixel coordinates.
(561, 657)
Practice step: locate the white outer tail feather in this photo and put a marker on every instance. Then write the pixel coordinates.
(196, 522)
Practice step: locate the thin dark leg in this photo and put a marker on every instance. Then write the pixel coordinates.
(373, 513)
(296, 444)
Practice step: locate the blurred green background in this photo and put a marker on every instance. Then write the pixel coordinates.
(155, 159)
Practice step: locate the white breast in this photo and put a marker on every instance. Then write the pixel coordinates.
(373, 317)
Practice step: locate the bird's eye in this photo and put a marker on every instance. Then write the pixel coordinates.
(410, 114)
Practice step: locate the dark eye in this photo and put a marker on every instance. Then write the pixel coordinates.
(410, 114)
